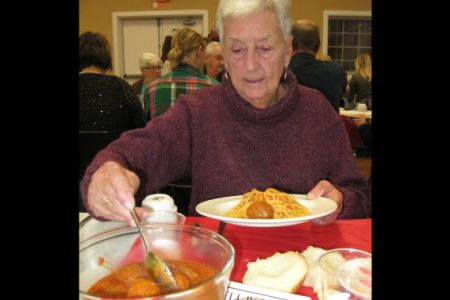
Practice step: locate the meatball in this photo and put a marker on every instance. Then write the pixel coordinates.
(131, 272)
(182, 280)
(260, 210)
(143, 287)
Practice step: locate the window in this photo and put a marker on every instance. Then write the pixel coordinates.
(346, 34)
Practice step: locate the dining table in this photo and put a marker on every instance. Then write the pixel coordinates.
(251, 243)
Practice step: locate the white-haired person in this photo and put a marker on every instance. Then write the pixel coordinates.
(214, 64)
(258, 129)
(150, 66)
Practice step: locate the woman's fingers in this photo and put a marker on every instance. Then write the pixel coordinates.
(326, 189)
(111, 192)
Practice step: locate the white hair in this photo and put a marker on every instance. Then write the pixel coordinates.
(209, 47)
(149, 59)
(241, 8)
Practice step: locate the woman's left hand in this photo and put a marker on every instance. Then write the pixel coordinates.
(326, 189)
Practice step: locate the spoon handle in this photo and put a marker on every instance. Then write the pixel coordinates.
(138, 225)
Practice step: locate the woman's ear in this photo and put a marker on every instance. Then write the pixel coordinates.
(289, 50)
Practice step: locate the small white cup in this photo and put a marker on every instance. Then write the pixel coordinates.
(361, 107)
(159, 202)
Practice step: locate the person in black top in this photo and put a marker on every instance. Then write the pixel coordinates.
(326, 76)
(361, 82)
(106, 102)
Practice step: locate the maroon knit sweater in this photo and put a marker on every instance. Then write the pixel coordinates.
(230, 147)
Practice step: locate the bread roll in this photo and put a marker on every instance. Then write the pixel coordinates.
(281, 271)
(312, 255)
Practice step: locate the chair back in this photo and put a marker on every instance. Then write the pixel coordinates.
(89, 143)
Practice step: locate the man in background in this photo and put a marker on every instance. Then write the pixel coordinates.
(214, 64)
(326, 76)
(150, 65)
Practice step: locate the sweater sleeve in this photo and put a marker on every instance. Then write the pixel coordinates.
(158, 153)
(345, 173)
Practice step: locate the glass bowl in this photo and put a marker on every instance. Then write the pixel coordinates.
(122, 245)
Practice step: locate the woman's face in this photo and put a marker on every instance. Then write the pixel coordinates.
(255, 55)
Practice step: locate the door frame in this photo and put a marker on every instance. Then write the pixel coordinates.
(119, 17)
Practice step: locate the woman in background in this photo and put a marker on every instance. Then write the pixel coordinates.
(361, 83)
(187, 58)
(107, 102)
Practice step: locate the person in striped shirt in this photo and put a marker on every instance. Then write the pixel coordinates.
(187, 58)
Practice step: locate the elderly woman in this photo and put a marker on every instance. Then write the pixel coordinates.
(259, 129)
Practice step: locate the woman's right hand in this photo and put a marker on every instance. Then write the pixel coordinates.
(111, 193)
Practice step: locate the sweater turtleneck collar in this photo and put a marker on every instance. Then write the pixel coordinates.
(270, 114)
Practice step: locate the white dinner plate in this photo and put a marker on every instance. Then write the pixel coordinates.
(216, 207)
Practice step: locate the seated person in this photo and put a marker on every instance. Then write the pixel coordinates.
(360, 90)
(214, 66)
(150, 66)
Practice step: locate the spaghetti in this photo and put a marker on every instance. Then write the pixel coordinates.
(284, 206)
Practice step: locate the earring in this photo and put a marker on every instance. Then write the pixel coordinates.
(225, 74)
(285, 73)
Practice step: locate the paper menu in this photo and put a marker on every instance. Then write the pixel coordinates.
(240, 291)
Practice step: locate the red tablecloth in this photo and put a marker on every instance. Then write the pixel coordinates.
(252, 242)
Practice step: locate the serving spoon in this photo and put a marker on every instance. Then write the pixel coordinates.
(153, 263)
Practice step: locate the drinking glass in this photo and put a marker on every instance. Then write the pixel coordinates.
(346, 274)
